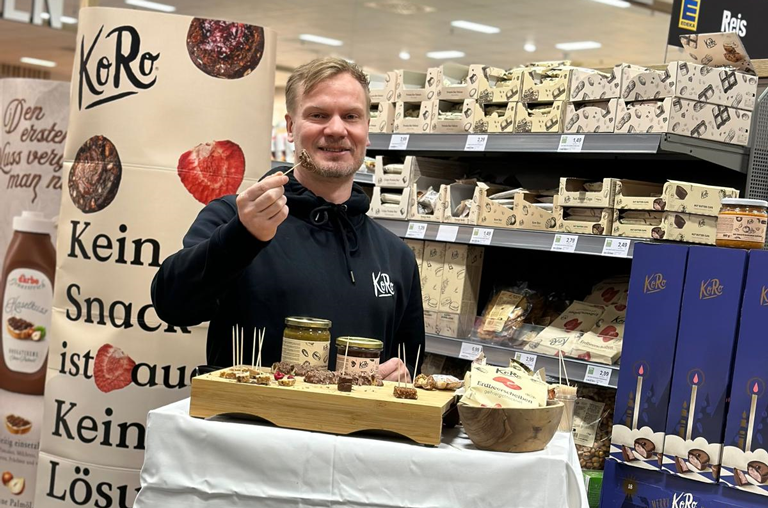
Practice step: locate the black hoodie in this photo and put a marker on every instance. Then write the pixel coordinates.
(326, 261)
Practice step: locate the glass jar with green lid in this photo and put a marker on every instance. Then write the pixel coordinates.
(306, 341)
(358, 354)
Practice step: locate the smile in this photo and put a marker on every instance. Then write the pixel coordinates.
(335, 150)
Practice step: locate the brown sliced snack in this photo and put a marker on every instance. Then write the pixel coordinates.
(287, 381)
(628, 454)
(644, 447)
(681, 466)
(406, 392)
(758, 470)
(19, 328)
(225, 50)
(17, 424)
(345, 383)
(95, 175)
(740, 478)
(698, 459)
(425, 382)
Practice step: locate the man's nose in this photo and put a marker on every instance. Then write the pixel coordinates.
(336, 127)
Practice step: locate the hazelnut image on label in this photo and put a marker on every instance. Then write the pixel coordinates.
(7, 477)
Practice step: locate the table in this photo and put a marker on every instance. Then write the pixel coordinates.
(223, 462)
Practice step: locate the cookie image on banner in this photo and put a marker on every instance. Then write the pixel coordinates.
(95, 175)
(212, 170)
(225, 50)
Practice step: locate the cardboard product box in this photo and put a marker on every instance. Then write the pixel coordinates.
(416, 86)
(526, 214)
(390, 203)
(674, 196)
(560, 336)
(586, 193)
(408, 121)
(461, 278)
(674, 226)
(591, 116)
(426, 192)
(452, 117)
(686, 118)
(706, 342)
(540, 117)
(457, 82)
(591, 85)
(745, 455)
(455, 325)
(417, 246)
(382, 117)
(432, 274)
(687, 80)
(482, 209)
(382, 87)
(400, 172)
(430, 322)
(493, 119)
(499, 86)
(546, 84)
(650, 336)
(586, 221)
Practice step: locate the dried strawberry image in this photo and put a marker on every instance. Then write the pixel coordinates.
(609, 294)
(609, 333)
(212, 170)
(572, 324)
(112, 369)
(507, 382)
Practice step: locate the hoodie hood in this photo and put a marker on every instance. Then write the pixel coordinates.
(343, 219)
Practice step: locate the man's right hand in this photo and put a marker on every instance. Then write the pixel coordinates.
(262, 206)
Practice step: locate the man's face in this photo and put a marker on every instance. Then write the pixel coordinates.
(331, 124)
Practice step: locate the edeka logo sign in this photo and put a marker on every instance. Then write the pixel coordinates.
(654, 283)
(105, 78)
(710, 289)
(733, 23)
(689, 14)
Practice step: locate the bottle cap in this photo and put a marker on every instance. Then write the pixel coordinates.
(33, 222)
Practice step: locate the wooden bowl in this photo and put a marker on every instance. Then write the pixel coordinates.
(511, 429)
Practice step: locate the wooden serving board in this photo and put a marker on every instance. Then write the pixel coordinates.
(322, 408)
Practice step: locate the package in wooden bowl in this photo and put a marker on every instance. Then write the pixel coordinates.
(511, 387)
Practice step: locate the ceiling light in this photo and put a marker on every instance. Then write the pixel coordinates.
(64, 19)
(615, 3)
(151, 5)
(37, 61)
(320, 40)
(404, 55)
(400, 7)
(475, 27)
(575, 46)
(442, 55)
(529, 47)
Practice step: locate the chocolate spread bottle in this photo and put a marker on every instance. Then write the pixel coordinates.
(26, 295)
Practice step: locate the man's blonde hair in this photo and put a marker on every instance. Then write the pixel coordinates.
(306, 77)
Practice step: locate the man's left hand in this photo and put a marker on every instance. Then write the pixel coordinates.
(392, 368)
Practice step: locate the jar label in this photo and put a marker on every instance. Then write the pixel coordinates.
(741, 227)
(26, 320)
(307, 353)
(357, 365)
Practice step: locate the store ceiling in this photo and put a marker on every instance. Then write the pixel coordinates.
(375, 37)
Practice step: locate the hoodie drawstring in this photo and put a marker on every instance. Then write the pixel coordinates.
(338, 214)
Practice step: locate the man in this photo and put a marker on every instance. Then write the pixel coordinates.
(300, 245)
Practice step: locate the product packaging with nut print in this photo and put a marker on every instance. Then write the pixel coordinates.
(709, 320)
(745, 455)
(167, 113)
(650, 336)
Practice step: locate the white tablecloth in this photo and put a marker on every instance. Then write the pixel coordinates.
(191, 462)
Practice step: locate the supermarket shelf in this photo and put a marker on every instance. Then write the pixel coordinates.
(671, 145)
(512, 238)
(495, 355)
(364, 178)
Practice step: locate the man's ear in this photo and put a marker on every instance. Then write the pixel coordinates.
(289, 127)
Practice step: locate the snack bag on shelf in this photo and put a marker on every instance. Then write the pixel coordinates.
(610, 291)
(593, 424)
(603, 343)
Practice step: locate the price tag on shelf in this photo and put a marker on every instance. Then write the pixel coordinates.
(526, 359)
(569, 143)
(476, 143)
(481, 236)
(447, 233)
(470, 351)
(616, 247)
(416, 230)
(565, 243)
(598, 375)
(399, 141)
